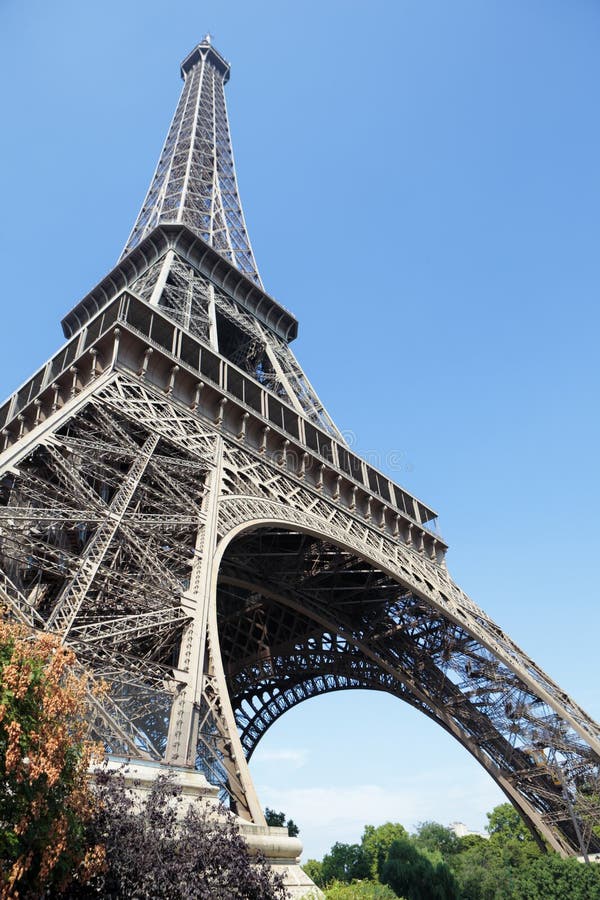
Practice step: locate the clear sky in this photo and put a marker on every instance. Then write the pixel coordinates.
(421, 182)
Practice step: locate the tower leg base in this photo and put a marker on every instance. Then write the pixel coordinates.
(281, 851)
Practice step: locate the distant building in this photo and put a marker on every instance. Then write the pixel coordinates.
(461, 830)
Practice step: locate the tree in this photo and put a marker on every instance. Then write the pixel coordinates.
(434, 837)
(344, 862)
(475, 868)
(488, 869)
(553, 878)
(359, 890)
(411, 874)
(587, 809)
(506, 824)
(277, 820)
(314, 870)
(44, 756)
(511, 837)
(376, 843)
(153, 851)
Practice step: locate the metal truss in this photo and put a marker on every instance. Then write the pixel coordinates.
(215, 589)
(302, 617)
(195, 184)
(209, 313)
(177, 506)
(195, 181)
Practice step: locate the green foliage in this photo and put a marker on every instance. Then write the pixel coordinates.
(376, 843)
(434, 864)
(411, 874)
(359, 890)
(505, 824)
(587, 806)
(314, 870)
(485, 872)
(471, 841)
(511, 842)
(436, 838)
(277, 820)
(479, 870)
(553, 878)
(344, 862)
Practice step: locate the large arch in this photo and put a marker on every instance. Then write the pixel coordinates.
(214, 585)
(300, 614)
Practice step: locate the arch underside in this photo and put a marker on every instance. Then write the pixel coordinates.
(299, 616)
(103, 527)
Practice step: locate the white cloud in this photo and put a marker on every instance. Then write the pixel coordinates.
(327, 814)
(296, 758)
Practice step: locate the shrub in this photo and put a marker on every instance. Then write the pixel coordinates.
(359, 890)
(44, 756)
(152, 852)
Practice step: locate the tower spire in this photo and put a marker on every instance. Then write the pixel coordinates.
(195, 182)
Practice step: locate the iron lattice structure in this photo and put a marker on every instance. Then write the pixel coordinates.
(177, 505)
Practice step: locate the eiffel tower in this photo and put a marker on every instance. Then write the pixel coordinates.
(178, 506)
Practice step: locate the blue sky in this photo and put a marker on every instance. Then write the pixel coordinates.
(421, 184)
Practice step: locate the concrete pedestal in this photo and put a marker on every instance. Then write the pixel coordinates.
(281, 851)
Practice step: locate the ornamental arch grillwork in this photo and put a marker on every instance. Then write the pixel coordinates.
(300, 615)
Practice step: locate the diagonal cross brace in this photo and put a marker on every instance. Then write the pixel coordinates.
(74, 592)
(120, 726)
(132, 627)
(117, 722)
(20, 606)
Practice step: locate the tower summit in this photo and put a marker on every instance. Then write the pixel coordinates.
(177, 505)
(195, 182)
